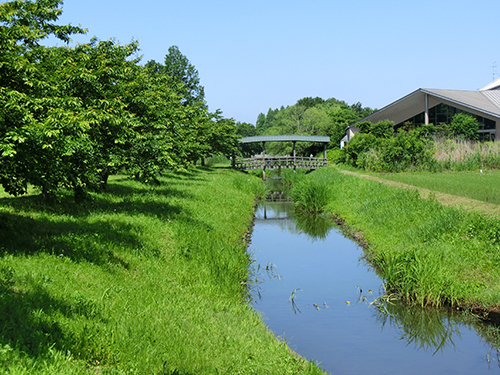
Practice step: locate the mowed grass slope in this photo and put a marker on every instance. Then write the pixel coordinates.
(139, 280)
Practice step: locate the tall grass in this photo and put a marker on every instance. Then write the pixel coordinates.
(426, 252)
(138, 280)
(459, 155)
(312, 195)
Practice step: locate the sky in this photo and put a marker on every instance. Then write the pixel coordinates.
(255, 55)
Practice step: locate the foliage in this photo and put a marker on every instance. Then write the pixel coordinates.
(334, 155)
(181, 72)
(309, 116)
(73, 116)
(464, 125)
(29, 116)
(340, 119)
(377, 147)
(244, 129)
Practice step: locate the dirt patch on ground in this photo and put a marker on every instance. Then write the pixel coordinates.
(489, 209)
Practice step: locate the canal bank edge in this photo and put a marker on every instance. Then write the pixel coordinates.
(492, 314)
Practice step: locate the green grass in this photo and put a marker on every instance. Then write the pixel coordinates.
(474, 185)
(138, 280)
(428, 253)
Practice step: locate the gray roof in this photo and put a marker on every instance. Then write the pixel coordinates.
(492, 86)
(483, 103)
(479, 100)
(285, 138)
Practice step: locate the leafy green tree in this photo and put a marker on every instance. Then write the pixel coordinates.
(158, 142)
(260, 124)
(340, 118)
(311, 116)
(362, 111)
(33, 118)
(179, 68)
(73, 116)
(464, 125)
(223, 139)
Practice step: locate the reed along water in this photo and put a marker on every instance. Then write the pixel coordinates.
(314, 290)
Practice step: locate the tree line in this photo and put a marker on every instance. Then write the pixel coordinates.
(309, 116)
(72, 116)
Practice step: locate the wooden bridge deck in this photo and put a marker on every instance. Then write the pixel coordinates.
(276, 162)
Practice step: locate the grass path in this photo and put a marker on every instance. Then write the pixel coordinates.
(488, 209)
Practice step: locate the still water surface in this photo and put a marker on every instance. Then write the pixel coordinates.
(314, 290)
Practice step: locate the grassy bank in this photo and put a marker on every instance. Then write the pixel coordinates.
(426, 252)
(482, 186)
(139, 280)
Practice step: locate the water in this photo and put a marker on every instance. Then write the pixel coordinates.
(315, 292)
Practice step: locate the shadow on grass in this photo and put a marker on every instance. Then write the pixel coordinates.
(191, 175)
(92, 230)
(27, 320)
(78, 241)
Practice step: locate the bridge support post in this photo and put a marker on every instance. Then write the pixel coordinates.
(294, 158)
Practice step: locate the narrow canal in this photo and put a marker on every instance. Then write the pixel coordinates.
(314, 290)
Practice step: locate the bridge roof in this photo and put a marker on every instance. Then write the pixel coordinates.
(285, 138)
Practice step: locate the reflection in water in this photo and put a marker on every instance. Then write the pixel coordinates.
(426, 328)
(314, 226)
(311, 287)
(282, 214)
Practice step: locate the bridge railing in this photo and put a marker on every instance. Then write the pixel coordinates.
(274, 162)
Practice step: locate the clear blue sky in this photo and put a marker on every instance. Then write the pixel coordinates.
(255, 55)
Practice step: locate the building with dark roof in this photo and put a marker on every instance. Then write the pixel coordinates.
(433, 106)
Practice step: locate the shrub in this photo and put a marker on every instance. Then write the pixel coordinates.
(334, 156)
(464, 125)
(374, 149)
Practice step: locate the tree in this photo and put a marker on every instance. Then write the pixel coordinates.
(340, 118)
(244, 129)
(309, 102)
(260, 124)
(32, 118)
(180, 70)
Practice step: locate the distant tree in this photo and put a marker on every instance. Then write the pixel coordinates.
(178, 67)
(311, 116)
(362, 111)
(296, 113)
(244, 129)
(260, 124)
(180, 70)
(309, 102)
(464, 125)
(222, 136)
(340, 118)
